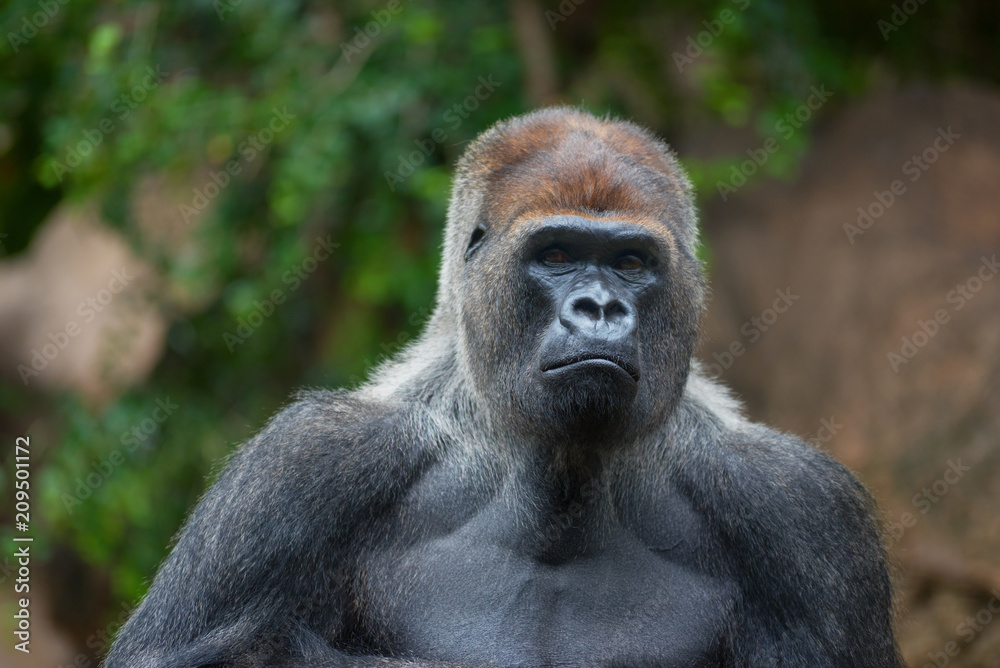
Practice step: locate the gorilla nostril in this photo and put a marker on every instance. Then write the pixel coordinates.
(587, 307)
(615, 311)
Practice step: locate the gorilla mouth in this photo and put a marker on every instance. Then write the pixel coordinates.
(598, 358)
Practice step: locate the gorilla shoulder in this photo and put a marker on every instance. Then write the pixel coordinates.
(277, 529)
(775, 477)
(793, 521)
(326, 437)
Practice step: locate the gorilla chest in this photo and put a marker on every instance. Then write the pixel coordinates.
(476, 596)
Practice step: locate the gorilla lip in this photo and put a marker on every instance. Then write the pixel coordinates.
(620, 362)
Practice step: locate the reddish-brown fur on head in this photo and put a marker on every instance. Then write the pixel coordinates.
(562, 160)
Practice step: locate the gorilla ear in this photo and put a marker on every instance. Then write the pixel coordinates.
(475, 241)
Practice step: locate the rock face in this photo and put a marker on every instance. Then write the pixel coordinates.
(860, 307)
(82, 310)
(78, 310)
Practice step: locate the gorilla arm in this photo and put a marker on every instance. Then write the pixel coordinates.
(257, 575)
(802, 540)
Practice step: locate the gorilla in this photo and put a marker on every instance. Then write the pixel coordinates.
(544, 477)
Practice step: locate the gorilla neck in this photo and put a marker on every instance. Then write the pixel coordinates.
(571, 465)
(573, 446)
(580, 428)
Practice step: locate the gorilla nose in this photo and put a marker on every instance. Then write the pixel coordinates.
(596, 309)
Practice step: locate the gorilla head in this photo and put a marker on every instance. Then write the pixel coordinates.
(570, 277)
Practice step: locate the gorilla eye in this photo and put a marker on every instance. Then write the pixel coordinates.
(554, 256)
(475, 241)
(628, 263)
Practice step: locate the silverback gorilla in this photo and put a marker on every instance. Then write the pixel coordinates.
(545, 477)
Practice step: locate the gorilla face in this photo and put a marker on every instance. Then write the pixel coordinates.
(593, 276)
(581, 334)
